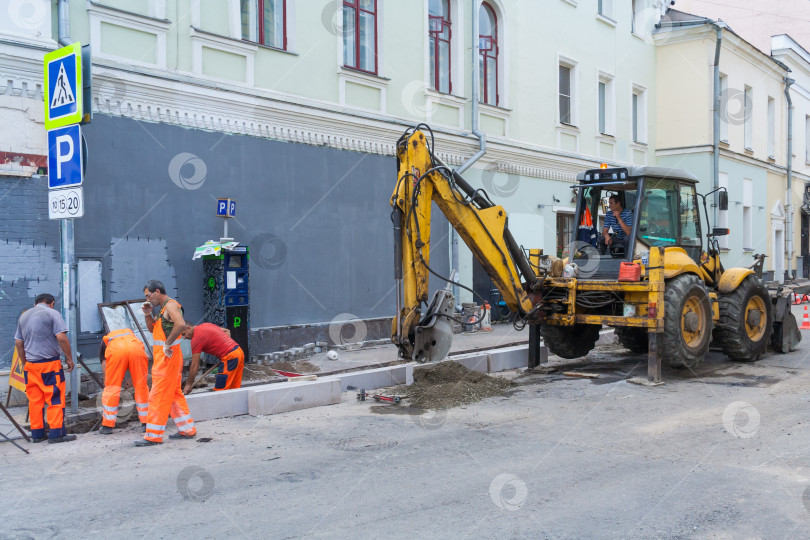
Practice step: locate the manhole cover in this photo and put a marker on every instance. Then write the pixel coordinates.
(362, 444)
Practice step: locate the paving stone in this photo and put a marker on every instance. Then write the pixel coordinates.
(208, 405)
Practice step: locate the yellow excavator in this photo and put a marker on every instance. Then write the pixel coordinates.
(658, 287)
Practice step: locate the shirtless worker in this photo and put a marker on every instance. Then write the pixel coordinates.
(214, 340)
(166, 397)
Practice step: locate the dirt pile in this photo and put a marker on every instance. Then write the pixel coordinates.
(449, 384)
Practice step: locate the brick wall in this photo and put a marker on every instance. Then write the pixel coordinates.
(29, 254)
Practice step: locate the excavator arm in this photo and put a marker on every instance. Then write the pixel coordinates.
(423, 179)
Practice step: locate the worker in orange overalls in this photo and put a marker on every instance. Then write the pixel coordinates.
(121, 351)
(166, 397)
(41, 335)
(214, 340)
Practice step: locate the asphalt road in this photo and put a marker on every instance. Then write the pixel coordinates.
(720, 452)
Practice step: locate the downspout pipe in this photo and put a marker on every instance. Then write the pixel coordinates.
(718, 27)
(482, 138)
(63, 18)
(789, 187)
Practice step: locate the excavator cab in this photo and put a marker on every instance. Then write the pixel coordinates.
(661, 205)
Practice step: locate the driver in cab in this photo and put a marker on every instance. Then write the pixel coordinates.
(618, 223)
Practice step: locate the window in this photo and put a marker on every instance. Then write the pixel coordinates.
(722, 215)
(748, 241)
(264, 22)
(690, 221)
(639, 115)
(606, 8)
(565, 233)
(440, 34)
(605, 105)
(566, 88)
(771, 127)
(488, 54)
(360, 35)
(807, 139)
(723, 116)
(747, 113)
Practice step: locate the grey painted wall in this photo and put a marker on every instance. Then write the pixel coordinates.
(29, 254)
(317, 221)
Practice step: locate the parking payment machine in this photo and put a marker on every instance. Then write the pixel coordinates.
(226, 298)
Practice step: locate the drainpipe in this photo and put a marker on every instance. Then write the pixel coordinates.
(789, 190)
(718, 27)
(482, 138)
(63, 16)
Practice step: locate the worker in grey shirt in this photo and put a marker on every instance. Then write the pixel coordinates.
(41, 333)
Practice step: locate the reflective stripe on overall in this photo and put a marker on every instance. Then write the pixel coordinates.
(166, 396)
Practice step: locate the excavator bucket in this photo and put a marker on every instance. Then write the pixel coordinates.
(786, 335)
(434, 334)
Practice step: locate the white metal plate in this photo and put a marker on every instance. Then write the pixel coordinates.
(66, 203)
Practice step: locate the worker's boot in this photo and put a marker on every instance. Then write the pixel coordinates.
(144, 442)
(105, 430)
(181, 435)
(63, 438)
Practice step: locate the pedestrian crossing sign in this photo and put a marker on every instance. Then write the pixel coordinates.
(63, 86)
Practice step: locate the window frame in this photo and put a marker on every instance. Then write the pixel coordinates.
(482, 53)
(748, 118)
(437, 40)
(355, 5)
(606, 8)
(605, 105)
(260, 29)
(573, 117)
(638, 118)
(771, 128)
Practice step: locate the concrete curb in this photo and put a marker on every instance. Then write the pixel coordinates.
(290, 396)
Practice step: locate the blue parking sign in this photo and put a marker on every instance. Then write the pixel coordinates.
(65, 167)
(222, 207)
(232, 209)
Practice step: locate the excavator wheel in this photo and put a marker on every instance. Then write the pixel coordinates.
(570, 341)
(634, 339)
(687, 321)
(746, 321)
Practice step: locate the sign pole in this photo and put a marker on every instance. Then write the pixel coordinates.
(69, 306)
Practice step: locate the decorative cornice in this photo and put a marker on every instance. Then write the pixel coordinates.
(182, 99)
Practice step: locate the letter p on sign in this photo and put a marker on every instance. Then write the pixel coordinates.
(65, 167)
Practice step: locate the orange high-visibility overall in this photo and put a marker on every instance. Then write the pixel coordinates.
(124, 352)
(166, 396)
(230, 371)
(45, 385)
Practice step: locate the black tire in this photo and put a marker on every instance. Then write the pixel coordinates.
(634, 339)
(570, 341)
(738, 336)
(686, 295)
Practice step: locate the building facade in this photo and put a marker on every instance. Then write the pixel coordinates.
(750, 137)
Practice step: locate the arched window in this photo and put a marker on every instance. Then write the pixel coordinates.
(488, 54)
(440, 34)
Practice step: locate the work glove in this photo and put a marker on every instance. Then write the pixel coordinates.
(167, 350)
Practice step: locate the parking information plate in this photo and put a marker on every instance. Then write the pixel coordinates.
(65, 203)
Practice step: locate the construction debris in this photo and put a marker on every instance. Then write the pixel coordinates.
(449, 384)
(581, 375)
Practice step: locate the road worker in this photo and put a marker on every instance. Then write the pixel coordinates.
(166, 397)
(121, 351)
(214, 340)
(41, 333)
